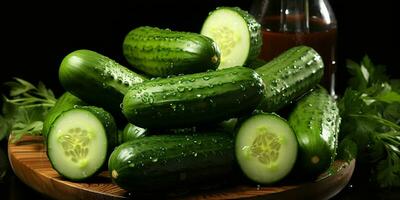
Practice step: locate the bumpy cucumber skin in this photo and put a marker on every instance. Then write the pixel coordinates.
(188, 100)
(64, 102)
(109, 126)
(315, 121)
(162, 52)
(254, 29)
(289, 76)
(168, 161)
(96, 79)
(131, 132)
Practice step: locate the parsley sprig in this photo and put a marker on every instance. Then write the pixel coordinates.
(24, 108)
(370, 111)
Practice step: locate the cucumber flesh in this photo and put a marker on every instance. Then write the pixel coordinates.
(77, 144)
(66, 102)
(236, 33)
(266, 148)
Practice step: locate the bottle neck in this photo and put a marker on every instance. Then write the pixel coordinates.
(294, 15)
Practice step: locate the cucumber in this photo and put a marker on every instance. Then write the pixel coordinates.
(256, 63)
(266, 148)
(237, 34)
(96, 79)
(193, 99)
(162, 52)
(289, 76)
(163, 162)
(80, 140)
(228, 126)
(65, 102)
(131, 132)
(315, 121)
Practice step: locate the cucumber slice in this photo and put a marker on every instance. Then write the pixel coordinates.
(266, 148)
(237, 34)
(78, 142)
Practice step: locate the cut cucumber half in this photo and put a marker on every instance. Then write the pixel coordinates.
(237, 34)
(266, 148)
(78, 142)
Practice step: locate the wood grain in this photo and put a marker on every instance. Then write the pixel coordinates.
(30, 163)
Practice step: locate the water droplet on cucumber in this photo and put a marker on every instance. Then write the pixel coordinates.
(206, 78)
(181, 89)
(242, 87)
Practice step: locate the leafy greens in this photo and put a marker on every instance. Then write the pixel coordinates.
(24, 109)
(370, 111)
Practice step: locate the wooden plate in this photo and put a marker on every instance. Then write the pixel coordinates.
(30, 163)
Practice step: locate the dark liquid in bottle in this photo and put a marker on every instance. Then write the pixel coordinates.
(320, 37)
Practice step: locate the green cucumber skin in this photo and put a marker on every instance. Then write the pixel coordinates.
(315, 121)
(256, 64)
(109, 125)
(289, 76)
(166, 161)
(65, 102)
(254, 29)
(188, 100)
(162, 52)
(131, 132)
(96, 79)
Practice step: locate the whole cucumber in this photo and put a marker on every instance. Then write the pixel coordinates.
(96, 79)
(168, 161)
(162, 52)
(315, 121)
(289, 76)
(188, 100)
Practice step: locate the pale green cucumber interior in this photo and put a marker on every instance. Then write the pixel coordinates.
(230, 31)
(266, 148)
(77, 144)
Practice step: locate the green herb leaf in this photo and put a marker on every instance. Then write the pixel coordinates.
(365, 74)
(347, 150)
(25, 108)
(4, 127)
(360, 78)
(370, 111)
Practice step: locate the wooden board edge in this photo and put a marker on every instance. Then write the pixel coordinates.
(49, 188)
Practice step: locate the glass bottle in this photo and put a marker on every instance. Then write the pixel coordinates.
(288, 23)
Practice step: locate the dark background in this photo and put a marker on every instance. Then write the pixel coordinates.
(35, 36)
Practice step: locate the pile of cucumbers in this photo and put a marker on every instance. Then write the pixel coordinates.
(198, 111)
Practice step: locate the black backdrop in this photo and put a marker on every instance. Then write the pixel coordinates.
(35, 36)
